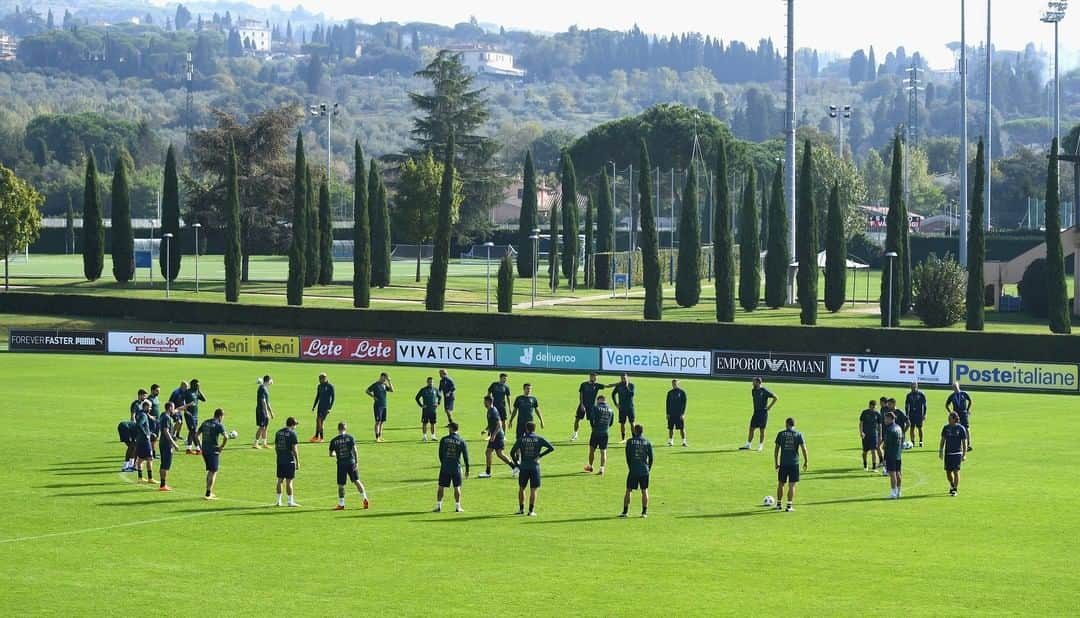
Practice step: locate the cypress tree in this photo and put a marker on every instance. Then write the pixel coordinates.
(894, 241)
(326, 236)
(380, 237)
(232, 229)
(835, 254)
(777, 258)
(976, 298)
(93, 246)
(806, 241)
(527, 222)
(440, 260)
(123, 238)
(650, 251)
(297, 251)
(170, 215)
(361, 233)
(69, 237)
(553, 252)
(723, 244)
(605, 219)
(749, 247)
(571, 248)
(311, 260)
(590, 215)
(688, 276)
(1056, 290)
(384, 219)
(506, 284)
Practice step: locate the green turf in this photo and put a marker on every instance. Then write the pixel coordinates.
(79, 538)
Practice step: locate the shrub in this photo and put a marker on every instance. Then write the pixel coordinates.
(1033, 291)
(938, 288)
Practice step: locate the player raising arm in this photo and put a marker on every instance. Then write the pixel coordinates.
(377, 392)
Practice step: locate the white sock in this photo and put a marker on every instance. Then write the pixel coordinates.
(279, 498)
(438, 504)
(457, 505)
(341, 501)
(363, 494)
(291, 500)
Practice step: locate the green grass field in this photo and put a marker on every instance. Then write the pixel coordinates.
(79, 538)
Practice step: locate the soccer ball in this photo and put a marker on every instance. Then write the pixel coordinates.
(768, 501)
(908, 444)
(233, 435)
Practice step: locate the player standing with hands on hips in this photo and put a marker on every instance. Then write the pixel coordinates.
(676, 412)
(623, 397)
(960, 402)
(915, 404)
(786, 458)
(209, 432)
(428, 399)
(764, 400)
(322, 406)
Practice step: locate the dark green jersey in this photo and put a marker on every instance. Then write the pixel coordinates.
(789, 442)
(600, 417)
(165, 425)
(192, 397)
(324, 397)
(500, 394)
(284, 441)
(639, 455)
(428, 397)
(623, 396)
(676, 402)
(452, 449)
(893, 441)
(142, 421)
(954, 436)
(262, 398)
(342, 446)
(901, 418)
(529, 449)
(761, 397)
(870, 421)
(209, 432)
(378, 390)
(526, 406)
(155, 405)
(588, 392)
(494, 421)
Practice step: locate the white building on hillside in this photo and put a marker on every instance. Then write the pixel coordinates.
(7, 47)
(254, 35)
(489, 62)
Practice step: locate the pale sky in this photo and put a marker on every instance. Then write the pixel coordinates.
(828, 25)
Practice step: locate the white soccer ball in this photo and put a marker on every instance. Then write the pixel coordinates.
(908, 444)
(233, 435)
(768, 501)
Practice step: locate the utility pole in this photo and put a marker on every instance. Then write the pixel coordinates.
(989, 118)
(962, 224)
(911, 134)
(190, 102)
(789, 119)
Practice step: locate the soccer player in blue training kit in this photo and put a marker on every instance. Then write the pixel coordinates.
(764, 400)
(177, 399)
(527, 452)
(960, 402)
(496, 442)
(209, 432)
(449, 392)
(166, 445)
(623, 398)
(343, 446)
(500, 396)
(902, 419)
(915, 404)
(524, 407)
(786, 458)
(288, 459)
(322, 406)
(144, 451)
(452, 450)
(676, 413)
(428, 399)
(263, 412)
(127, 430)
(870, 431)
(377, 392)
(893, 441)
(587, 393)
(601, 418)
(639, 460)
(192, 396)
(953, 450)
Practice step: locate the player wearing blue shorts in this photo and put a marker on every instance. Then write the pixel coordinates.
(449, 393)
(676, 412)
(953, 450)
(893, 443)
(322, 406)
(788, 443)
(623, 397)
(288, 459)
(377, 392)
(525, 406)
(192, 396)
(209, 432)
(263, 412)
(870, 432)
(960, 402)
(527, 452)
(500, 397)
(587, 393)
(166, 445)
(496, 442)
(763, 400)
(144, 450)
(601, 418)
(452, 450)
(343, 447)
(177, 399)
(428, 399)
(915, 404)
(639, 460)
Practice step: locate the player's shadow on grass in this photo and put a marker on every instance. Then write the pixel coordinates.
(873, 499)
(765, 510)
(722, 451)
(222, 509)
(445, 518)
(130, 503)
(83, 494)
(575, 520)
(72, 485)
(81, 472)
(389, 514)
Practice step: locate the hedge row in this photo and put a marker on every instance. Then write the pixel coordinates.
(557, 329)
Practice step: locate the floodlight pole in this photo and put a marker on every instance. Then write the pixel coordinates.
(535, 238)
(989, 117)
(487, 278)
(196, 225)
(789, 119)
(168, 262)
(891, 255)
(963, 138)
(151, 253)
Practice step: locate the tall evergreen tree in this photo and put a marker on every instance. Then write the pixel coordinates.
(69, 224)
(806, 241)
(605, 220)
(326, 236)
(380, 250)
(384, 232)
(170, 215)
(1057, 292)
(440, 260)
(571, 247)
(311, 260)
(723, 244)
(688, 278)
(123, 238)
(506, 284)
(976, 255)
(553, 251)
(835, 254)
(749, 246)
(777, 258)
(894, 236)
(297, 250)
(650, 249)
(527, 222)
(590, 241)
(361, 233)
(233, 257)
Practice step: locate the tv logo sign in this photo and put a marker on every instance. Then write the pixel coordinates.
(853, 368)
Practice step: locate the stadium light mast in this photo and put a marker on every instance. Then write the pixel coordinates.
(328, 111)
(196, 225)
(168, 263)
(840, 113)
(1054, 15)
(487, 278)
(535, 238)
(789, 120)
(989, 117)
(963, 223)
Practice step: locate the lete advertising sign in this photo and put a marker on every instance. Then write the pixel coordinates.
(56, 341)
(257, 346)
(347, 349)
(446, 353)
(770, 365)
(1023, 376)
(638, 360)
(540, 356)
(156, 343)
(854, 368)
